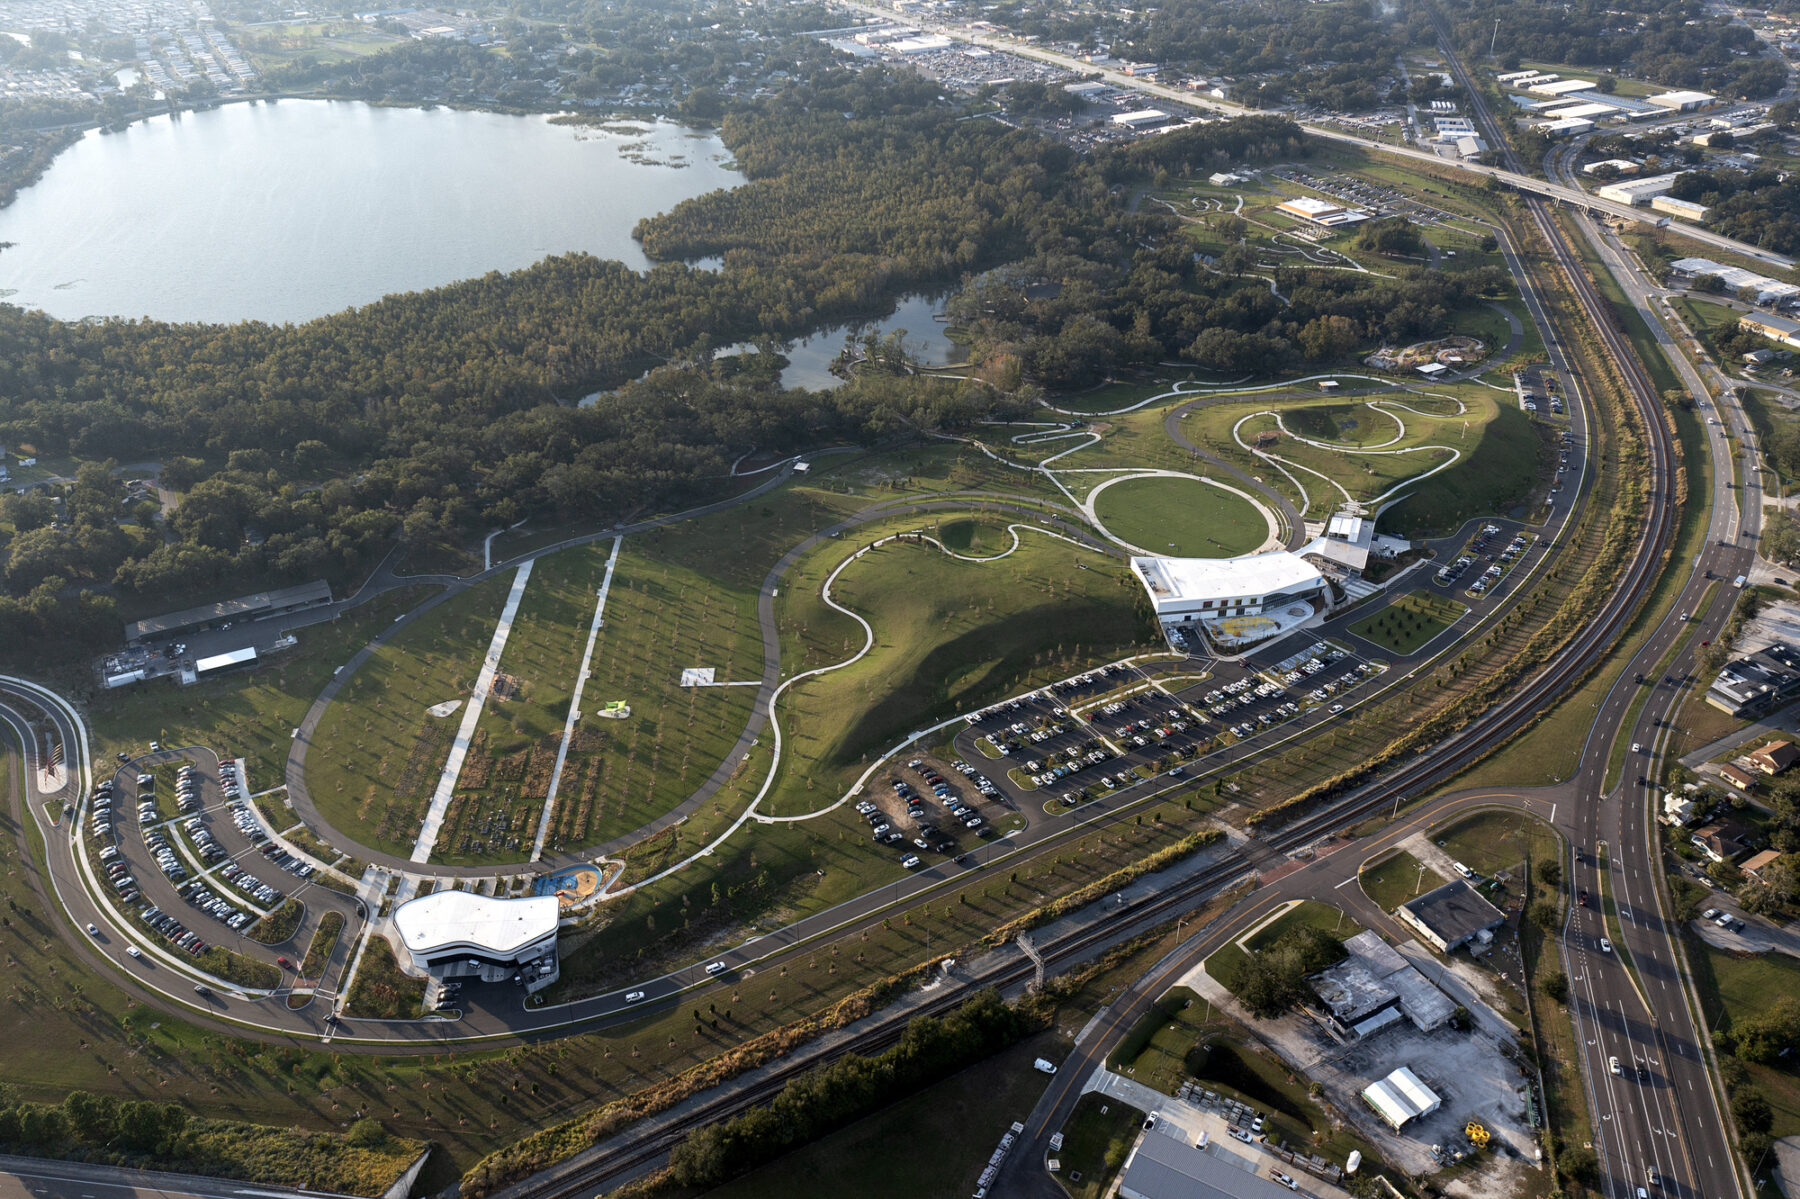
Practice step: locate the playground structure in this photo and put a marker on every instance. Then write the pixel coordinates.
(1454, 351)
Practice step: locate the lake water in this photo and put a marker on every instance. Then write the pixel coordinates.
(809, 360)
(283, 212)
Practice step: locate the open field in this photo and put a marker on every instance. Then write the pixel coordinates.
(1409, 622)
(620, 774)
(1096, 1139)
(1487, 842)
(378, 753)
(1397, 878)
(1181, 517)
(1733, 987)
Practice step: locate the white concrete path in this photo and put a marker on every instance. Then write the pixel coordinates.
(459, 748)
(562, 751)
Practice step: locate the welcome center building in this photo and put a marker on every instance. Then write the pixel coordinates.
(458, 934)
(1236, 599)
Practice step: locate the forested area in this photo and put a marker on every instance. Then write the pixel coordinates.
(1333, 55)
(307, 450)
(1676, 43)
(1760, 207)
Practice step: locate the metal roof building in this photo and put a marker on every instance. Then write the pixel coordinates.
(245, 607)
(1161, 1167)
(1401, 1098)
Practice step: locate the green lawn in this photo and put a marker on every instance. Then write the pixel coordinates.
(1487, 842)
(1409, 622)
(1181, 517)
(1493, 478)
(1099, 1134)
(1396, 879)
(660, 618)
(1733, 987)
(949, 636)
(1228, 960)
(377, 754)
(884, 1156)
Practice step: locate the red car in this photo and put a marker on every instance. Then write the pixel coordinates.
(287, 965)
(1582, 898)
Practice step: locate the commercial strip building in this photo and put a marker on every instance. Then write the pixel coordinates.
(1571, 127)
(1735, 278)
(258, 606)
(1687, 210)
(1622, 165)
(1775, 328)
(1452, 916)
(1680, 101)
(1401, 1098)
(1374, 987)
(458, 934)
(1163, 1167)
(1753, 685)
(1637, 192)
(1143, 118)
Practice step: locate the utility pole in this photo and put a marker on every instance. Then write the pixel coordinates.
(1493, 41)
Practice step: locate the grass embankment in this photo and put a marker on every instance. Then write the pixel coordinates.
(380, 752)
(323, 942)
(279, 924)
(380, 991)
(1184, 518)
(1397, 878)
(1409, 622)
(949, 636)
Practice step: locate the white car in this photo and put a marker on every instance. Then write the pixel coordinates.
(1605, 945)
(715, 967)
(133, 951)
(911, 861)
(634, 996)
(93, 931)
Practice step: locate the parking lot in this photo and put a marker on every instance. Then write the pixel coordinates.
(173, 835)
(1106, 732)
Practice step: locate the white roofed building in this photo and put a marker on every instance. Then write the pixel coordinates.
(1322, 213)
(1680, 101)
(1236, 600)
(1401, 1098)
(458, 934)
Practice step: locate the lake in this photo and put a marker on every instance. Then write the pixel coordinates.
(284, 212)
(810, 359)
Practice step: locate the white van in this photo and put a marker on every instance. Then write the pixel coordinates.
(1463, 870)
(1044, 1065)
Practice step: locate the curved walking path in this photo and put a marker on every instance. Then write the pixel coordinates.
(770, 681)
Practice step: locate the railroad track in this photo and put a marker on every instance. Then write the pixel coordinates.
(1441, 763)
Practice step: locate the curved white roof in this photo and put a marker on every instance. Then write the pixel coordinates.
(1176, 579)
(459, 919)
